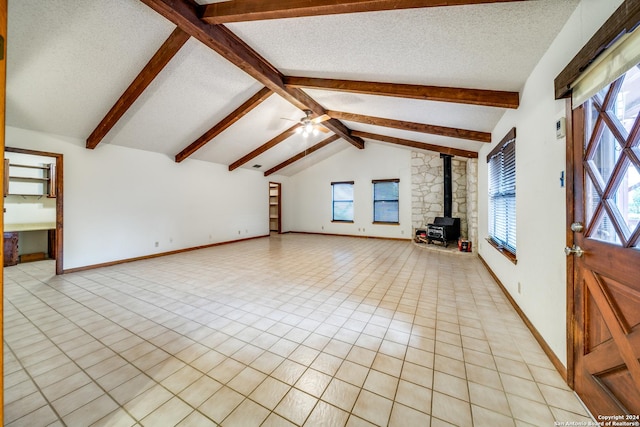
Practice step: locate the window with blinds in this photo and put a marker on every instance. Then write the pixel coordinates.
(342, 201)
(386, 201)
(502, 193)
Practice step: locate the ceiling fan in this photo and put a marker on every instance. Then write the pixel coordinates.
(311, 126)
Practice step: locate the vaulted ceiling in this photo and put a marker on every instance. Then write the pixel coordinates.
(229, 81)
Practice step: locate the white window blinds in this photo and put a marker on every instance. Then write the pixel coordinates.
(502, 193)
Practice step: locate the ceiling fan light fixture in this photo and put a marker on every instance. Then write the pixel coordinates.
(308, 127)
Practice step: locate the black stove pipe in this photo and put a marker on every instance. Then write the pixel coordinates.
(448, 197)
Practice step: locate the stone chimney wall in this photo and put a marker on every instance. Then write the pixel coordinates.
(427, 192)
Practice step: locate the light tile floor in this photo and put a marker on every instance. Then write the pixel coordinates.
(280, 331)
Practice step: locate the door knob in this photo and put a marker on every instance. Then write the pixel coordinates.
(577, 227)
(577, 250)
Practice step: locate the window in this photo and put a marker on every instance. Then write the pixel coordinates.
(612, 172)
(385, 201)
(342, 201)
(502, 194)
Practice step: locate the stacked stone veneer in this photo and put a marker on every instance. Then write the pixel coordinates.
(472, 201)
(427, 191)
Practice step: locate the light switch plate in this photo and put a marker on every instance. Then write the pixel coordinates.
(561, 127)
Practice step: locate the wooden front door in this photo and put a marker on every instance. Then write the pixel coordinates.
(606, 277)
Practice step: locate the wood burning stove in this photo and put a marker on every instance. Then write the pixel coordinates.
(443, 230)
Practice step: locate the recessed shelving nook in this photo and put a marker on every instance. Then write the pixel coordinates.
(29, 180)
(274, 207)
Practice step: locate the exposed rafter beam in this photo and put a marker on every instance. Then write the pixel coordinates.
(254, 10)
(414, 127)
(488, 98)
(416, 144)
(225, 123)
(302, 154)
(184, 14)
(169, 48)
(264, 147)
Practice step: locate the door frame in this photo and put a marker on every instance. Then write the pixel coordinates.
(3, 92)
(59, 200)
(570, 202)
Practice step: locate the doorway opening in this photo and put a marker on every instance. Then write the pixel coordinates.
(275, 207)
(33, 215)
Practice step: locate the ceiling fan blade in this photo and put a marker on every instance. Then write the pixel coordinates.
(323, 129)
(320, 119)
(285, 118)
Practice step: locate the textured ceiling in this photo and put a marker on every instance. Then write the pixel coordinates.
(68, 66)
(486, 46)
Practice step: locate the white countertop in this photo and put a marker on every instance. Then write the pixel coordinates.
(30, 227)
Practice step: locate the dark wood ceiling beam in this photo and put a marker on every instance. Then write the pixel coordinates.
(254, 10)
(264, 147)
(416, 144)
(160, 59)
(302, 154)
(184, 14)
(225, 123)
(487, 98)
(414, 127)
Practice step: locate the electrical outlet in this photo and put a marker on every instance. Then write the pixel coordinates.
(323, 227)
(157, 244)
(239, 232)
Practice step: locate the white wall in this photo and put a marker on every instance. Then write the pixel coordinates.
(29, 210)
(118, 201)
(540, 210)
(311, 191)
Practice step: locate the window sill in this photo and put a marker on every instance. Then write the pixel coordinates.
(508, 254)
(385, 223)
(342, 221)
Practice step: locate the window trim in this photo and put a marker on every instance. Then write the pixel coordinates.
(380, 181)
(343, 221)
(509, 138)
(504, 251)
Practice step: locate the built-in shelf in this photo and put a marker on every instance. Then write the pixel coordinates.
(27, 178)
(274, 207)
(47, 180)
(15, 165)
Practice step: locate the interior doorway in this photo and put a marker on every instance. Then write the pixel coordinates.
(35, 183)
(275, 207)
